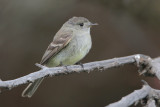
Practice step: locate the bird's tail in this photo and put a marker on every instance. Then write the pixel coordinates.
(31, 88)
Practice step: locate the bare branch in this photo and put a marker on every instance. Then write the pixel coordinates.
(143, 62)
(151, 103)
(87, 67)
(155, 64)
(146, 65)
(131, 98)
(145, 92)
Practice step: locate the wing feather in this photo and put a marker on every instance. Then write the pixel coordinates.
(60, 41)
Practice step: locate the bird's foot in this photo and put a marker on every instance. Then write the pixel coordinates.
(79, 63)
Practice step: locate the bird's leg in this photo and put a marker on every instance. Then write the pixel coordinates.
(61, 64)
(79, 63)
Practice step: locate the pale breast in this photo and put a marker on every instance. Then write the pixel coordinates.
(74, 51)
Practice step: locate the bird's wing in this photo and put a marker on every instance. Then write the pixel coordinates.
(59, 42)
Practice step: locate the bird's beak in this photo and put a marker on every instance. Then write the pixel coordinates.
(92, 24)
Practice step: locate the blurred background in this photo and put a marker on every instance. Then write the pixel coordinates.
(126, 27)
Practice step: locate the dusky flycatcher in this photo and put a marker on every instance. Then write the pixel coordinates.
(70, 44)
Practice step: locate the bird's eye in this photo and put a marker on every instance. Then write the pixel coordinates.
(81, 24)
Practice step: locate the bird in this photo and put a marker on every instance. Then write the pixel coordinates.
(69, 46)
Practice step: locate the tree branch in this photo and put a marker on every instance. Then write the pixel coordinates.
(87, 67)
(146, 93)
(143, 62)
(146, 65)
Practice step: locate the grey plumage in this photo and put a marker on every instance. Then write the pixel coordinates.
(70, 44)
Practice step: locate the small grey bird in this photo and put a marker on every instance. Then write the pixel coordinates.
(70, 44)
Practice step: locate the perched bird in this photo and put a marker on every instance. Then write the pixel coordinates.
(70, 44)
